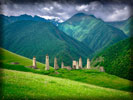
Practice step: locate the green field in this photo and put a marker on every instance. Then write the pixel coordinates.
(18, 85)
(8, 57)
(86, 76)
(21, 82)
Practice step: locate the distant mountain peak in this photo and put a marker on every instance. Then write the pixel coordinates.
(25, 15)
(90, 30)
(80, 14)
(83, 14)
(92, 16)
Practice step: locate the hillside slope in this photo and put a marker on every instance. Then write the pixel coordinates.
(33, 38)
(116, 59)
(23, 85)
(7, 57)
(92, 31)
(94, 77)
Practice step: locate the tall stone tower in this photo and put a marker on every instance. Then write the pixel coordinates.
(47, 62)
(88, 63)
(77, 65)
(34, 62)
(74, 64)
(62, 65)
(102, 69)
(55, 63)
(80, 63)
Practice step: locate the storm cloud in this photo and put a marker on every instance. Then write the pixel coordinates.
(62, 11)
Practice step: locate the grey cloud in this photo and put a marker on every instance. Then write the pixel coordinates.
(69, 1)
(63, 11)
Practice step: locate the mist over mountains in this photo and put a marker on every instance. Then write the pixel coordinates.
(10, 19)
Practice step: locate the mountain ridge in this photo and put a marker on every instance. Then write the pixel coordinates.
(92, 31)
(11, 19)
(40, 38)
(126, 25)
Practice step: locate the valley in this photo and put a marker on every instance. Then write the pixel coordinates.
(45, 59)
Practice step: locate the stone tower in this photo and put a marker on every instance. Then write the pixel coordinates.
(47, 62)
(77, 65)
(34, 62)
(55, 63)
(74, 64)
(62, 65)
(102, 69)
(88, 63)
(80, 63)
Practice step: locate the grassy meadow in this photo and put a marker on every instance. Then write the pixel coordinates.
(26, 85)
(9, 57)
(87, 76)
(20, 81)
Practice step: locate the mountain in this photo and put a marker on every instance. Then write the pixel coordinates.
(92, 31)
(126, 26)
(116, 59)
(36, 38)
(11, 19)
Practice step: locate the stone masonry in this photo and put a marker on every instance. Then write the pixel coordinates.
(55, 63)
(80, 63)
(88, 63)
(47, 63)
(74, 64)
(34, 62)
(62, 65)
(77, 65)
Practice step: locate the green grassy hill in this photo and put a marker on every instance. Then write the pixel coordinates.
(24, 85)
(92, 31)
(116, 59)
(93, 77)
(34, 38)
(9, 57)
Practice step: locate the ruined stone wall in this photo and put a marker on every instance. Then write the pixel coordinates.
(74, 64)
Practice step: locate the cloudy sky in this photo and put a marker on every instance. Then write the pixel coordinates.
(62, 11)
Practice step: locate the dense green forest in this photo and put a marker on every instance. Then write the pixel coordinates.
(116, 59)
(36, 38)
(94, 32)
